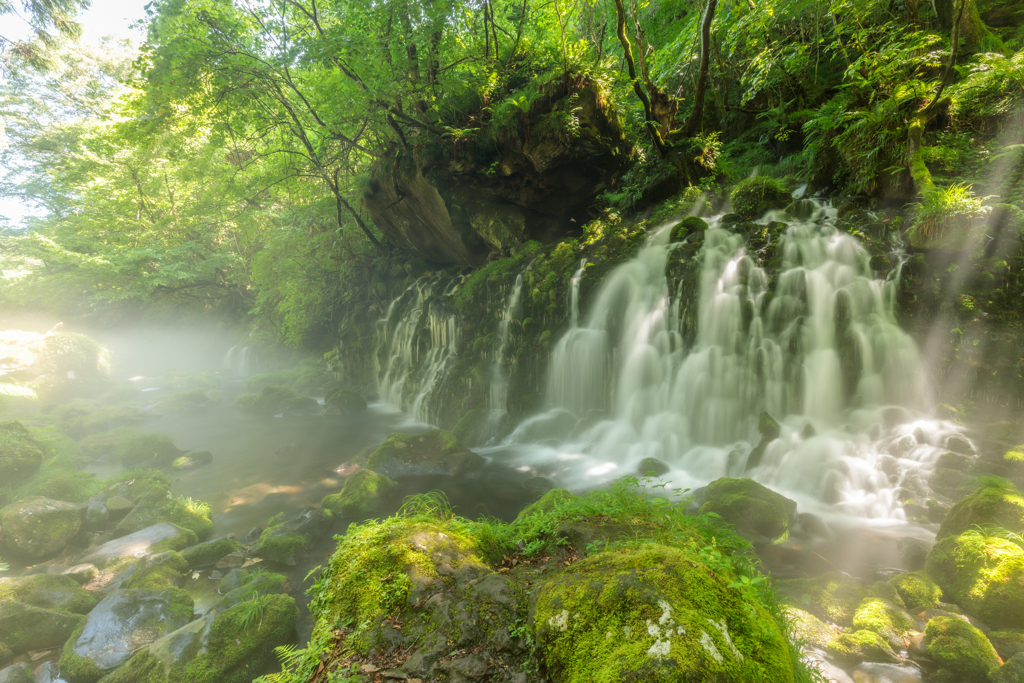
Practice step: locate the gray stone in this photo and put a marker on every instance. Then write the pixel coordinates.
(96, 516)
(473, 667)
(234, 579)
(118, 507)
(81, 573)
(49, 672)
(17, 673)
(216, 575)
(133, 546)
(959, 444)
(37, 528)
(276, 544)
(24, 628)
(652, 466)
(210, 552)
(232, 561)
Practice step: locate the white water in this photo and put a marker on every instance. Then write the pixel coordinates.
(499, 378)
(818, 347)
(241, 361)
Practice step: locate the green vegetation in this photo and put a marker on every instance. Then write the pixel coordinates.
(960, 648)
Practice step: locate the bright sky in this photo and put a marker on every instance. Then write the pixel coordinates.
(103, 18)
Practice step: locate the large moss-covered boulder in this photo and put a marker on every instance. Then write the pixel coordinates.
(434, 452)
(277, 399)
(162, 570)
(361, 496)
(916, 590)
(37, 527)
(651, 613)
(982, 574)
(885, 619)
(754, 196)
(960, 648)
(1010, 672)
(24, 628)
(996, 503)
(123, 622)
(285, 541)
(850, 649)
(48, 591)
(209, 552)
(114, 555)
(809, 629)
(751, 507)
(833, 596)
(229, 647)
(244, 584)
(159, 507)
(20, 455)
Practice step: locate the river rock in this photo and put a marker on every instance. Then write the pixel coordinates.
(343, 402)
(24, 628)
(982, 574)
(48, 591)
(809, 629)
(123, 622)
(959, 444)
(960, 648)
(286, 541)
(164, 507)
(1010, 672)
(434, 452)
(751, 507)
(96, 516)
(118, 507)
(652, 467)
(20, 455)
(219, 647)
(193, 460)
(1007, 642)
(833, 596)
(17, 673)
(995, 503)
(850, 649)
(362, 495)
(81, 573)
(277, 399)
(249, 584)
(210, 552)
(37, 527)
(162, 570)
(113, 555)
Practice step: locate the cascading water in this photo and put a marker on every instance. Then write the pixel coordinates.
(241, 361)
(819, 348)
(420, 338)
(499, 378)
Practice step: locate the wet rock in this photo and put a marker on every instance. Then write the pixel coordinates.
(20, 455)
(829, 671)
(1007, 642)
(216, 575)
(81, 573)
(249, 584)
(995, 503)
(916, 591)
(164, 507)
(286, 541)
(850, 649)
(913, 553)
(17, 673)
(193, 460)
(874, 672)
(750, 507)
(960, 648)
(1010, 672)
(48, 673)
(24, 628)
(809, 629)
(885, 619)
(434, 452)
(538, 485)
(769, 429)
(123, 622)
(118, 507)
(220, 647)
(833, 597)
(231, 561)
(113, 555)
(363, 494)
(210, 552)
(48, 591)
(802, 209)
(959, 444)
(37, 527)
(652, 467)
(812, 526)
(96, 516)
(254, 534)
(955, 461)
(937, 511)
(163, 570)
(344, 402)
(952, 483)
(472, 668)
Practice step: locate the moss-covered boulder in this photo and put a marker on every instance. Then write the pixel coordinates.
(361, 496)
(24, 628)
(982, 574)
(751, 507)
(192, 460)
(885, 619)
(285, 541)
(997, 502)
(114, 555)
(209, 552)
(163, 570)
(548, 502)
(48, 591)
(277, 399)
(1010, 672)
(230, 647)
(20, 455)
(651, 613)
(37, 528)
(916, 590)
(163, 507)
(344, 402)
(1007, 642)
(809, 630)
(246, 585)
(123, 622)
(851, 649)
(434, 452)
(960, 648)
(752, 197)
(833, 596)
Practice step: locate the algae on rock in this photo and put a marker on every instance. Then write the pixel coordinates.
(362, 495)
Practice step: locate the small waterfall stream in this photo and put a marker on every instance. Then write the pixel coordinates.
(499, 378)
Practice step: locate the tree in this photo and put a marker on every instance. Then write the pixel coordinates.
(48, 20)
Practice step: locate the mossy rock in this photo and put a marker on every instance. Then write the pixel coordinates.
(133, 448)
(960, 648)
(751, 507)
(227, 647)
(115, 555)
(1007, 642)
(343, 402)
(192, 460)
(209, 552)
(809, 630)
(362, 495)
(952, 482)
(982, 574)
(651, 613)
(251, 584)
(24, 628)
(885, 619)
(916, 590)
(434, 452)
(851, 649)
(158, 507)
(16, 673)
(37, 528)
(277, 399)
(20, 455)
(1010, 672)
(548, 502)
(688, 226)
(285, 541)
(752, 197)
(472, 427)
(997, 502)
(162, 570)
(48, 591)
(833, 596)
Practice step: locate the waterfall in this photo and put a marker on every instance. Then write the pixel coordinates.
(499, 379)
(241, 361)
(818, 348)
(417, 340)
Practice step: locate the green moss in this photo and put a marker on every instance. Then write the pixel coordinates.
(546, 505)
(916, 590)
(276, 399)
(61, 483)
(211, 551)
(37, 528)
(833, 596)
(754, 196)
(1007, 642)
(158, 507)
(958, 647)
(650, 612)
(158, 571)
(982, 574)
(468, 430)
(132, 447)
(186, 538)
(850, 649)
(75, 669)
(48, 591)
(996, 502)
(433, 452)
(885, 619)
(750, 507)
(255, 583)
(361, 495)
(265, 379)
(20, 454)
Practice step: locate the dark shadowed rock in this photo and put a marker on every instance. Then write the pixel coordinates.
(24, 628)
(434, 452)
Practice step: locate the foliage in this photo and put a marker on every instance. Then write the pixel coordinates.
(945, 214)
